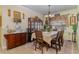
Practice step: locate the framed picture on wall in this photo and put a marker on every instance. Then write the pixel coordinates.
(9, 12)
(17, 16)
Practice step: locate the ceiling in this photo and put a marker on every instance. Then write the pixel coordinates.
(43, 9)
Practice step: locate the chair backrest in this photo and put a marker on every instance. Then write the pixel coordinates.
(61, 34)
(58, 35)
(39, 34)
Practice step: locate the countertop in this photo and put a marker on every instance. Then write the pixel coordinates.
(14, 32)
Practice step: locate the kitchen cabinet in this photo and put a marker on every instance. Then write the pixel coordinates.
(17, 39)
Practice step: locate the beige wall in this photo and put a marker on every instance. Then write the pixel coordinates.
(9, 20)
(0, 11)
(0, 26)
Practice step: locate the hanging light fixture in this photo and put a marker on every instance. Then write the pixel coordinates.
(49, 12)
(49, 15)
(48, 19)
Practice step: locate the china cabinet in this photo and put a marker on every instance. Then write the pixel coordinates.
(34, 23)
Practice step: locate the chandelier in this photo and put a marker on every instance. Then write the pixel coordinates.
(49, 11)
(49, 15)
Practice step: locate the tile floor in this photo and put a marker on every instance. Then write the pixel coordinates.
(68, 48)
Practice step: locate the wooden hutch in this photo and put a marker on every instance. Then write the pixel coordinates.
(34, 23)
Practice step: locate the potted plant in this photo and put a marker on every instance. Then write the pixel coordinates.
(47, 28)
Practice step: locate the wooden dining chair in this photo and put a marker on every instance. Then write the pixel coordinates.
(56, 43)
(39, 42)
(61, 37)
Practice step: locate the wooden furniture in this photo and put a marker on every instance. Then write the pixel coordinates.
(56, 43)
(40, 42)
(61, 37)
(17, 39)
(47, 36)
(29, 29)
(34, 23)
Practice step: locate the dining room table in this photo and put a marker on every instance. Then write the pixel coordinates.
(47, 36)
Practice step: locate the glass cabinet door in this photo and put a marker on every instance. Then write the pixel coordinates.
(36, 25)
(32, 25)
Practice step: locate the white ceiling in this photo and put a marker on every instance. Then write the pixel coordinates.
(43, 9)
